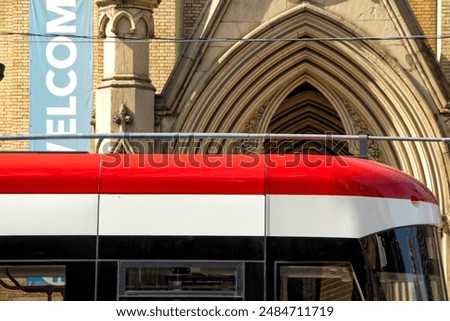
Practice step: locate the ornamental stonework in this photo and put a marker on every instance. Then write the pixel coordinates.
(135, 18)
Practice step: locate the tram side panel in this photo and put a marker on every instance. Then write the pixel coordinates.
(165, 236)
(60, 230)
(54, 234)
(48, 229)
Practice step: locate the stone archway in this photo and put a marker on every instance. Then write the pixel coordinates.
(244, 90)
(306, 111)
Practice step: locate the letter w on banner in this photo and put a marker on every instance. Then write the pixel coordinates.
(61, 75)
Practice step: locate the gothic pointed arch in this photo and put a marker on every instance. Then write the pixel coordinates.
(306, 111)
(357, 78)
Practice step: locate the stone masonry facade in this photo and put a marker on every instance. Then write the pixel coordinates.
(173, 19)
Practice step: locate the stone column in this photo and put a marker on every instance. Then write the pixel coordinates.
(125, 98)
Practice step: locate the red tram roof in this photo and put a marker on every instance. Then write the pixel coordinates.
(205, 174)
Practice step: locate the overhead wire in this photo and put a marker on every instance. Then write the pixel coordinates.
(36, 37)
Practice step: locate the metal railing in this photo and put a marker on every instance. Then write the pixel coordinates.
(362, 139)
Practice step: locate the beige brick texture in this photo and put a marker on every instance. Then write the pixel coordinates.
(426, 13)
(14, 88)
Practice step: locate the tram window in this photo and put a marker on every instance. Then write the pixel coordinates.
(187, 280)
(32, 283)
(406, 263)
(318, 282)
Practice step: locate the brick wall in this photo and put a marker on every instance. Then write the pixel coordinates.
(98, 52)
(445, 56)
(14, 88)
(173, 19)
(163, 53)
(17, 295)
(426, 13)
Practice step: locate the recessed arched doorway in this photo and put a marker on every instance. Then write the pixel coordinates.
(305, 110)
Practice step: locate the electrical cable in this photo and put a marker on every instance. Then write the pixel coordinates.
(81, 38)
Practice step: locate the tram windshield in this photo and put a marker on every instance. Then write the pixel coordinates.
(405, 264)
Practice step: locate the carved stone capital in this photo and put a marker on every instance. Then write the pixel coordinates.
(127, 18)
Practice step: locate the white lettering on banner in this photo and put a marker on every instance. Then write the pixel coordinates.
(61, 41)
(61, 80)
(61, 126)
(69, 110)
(57, 148)
(58, 25)
(61, 91)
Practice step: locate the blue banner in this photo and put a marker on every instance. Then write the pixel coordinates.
(61, 74)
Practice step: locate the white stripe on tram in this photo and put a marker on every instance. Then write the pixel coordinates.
(221, 215)
(48, 214)
(209, 215)
(344, 216)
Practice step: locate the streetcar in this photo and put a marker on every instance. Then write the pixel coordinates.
(215, 227)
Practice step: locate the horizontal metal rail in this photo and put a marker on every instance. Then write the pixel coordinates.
(188, 136)
(363, 139)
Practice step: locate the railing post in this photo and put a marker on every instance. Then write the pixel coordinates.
(363, 146)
